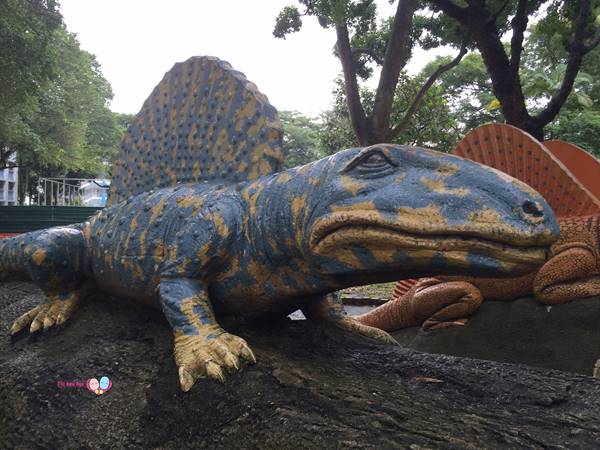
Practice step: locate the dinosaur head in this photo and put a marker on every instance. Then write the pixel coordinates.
(389, 211)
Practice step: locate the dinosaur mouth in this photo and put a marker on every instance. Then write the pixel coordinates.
(456, 245)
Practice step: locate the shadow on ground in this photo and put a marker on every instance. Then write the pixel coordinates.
(313, 387)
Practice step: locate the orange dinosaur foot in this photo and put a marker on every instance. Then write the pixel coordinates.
(431, 303)
(572, 273)
(445, 304)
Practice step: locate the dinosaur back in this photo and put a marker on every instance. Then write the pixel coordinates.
(520, 155)
(203, 122)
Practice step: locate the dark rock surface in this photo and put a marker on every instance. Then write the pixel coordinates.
(313, 387)
(564, 337)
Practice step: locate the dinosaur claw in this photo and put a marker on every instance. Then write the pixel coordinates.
(214, 371)
(231, 362)
(35, 326)
(185, 379)
(48, 322)
(247, 354)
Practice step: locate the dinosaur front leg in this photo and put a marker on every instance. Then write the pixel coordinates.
(572, 273)
(202, 347)
(330, 308)
(431, 303)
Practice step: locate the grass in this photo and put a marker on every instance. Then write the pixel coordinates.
(382, 291)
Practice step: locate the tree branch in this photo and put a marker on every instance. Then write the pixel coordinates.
(355, 108)
(593, 42)
(368, 52)
(497, 13)
(403, 124)
(452, 9)
(577, 51)
(395, 58)
(519, 25)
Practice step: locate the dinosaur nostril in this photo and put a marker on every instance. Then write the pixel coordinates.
(532, 209)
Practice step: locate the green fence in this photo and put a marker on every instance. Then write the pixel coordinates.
(20, 219)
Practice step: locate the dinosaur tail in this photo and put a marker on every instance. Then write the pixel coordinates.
(13, 257)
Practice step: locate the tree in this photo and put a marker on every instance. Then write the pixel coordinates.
(301, 142)
(27, 61)
(433, 124)
(72, 131)
(573, 24)
(53, 98)
(468, 90)
(360, 41)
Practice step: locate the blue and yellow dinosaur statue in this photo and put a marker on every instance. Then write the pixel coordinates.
(201, 222)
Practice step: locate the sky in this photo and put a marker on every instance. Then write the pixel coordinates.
(137, 41)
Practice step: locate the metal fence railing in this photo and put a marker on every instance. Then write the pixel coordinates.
(72, 192)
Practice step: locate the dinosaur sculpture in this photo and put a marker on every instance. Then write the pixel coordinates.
(572, 272)
(200, 222)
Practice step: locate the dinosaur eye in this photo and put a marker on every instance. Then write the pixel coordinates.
(372, 162)
(375, 159)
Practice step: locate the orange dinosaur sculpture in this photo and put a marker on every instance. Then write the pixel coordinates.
(573, 270)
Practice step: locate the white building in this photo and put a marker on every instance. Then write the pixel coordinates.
(94, 192)
(9, 179)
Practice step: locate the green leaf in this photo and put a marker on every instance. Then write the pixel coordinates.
(493, 105)
(584, 99)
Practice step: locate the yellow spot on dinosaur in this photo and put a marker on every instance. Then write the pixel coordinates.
(173, 252)
(187, 308)
(219, 222)
(283, 177)
(157, 209)
(486, 215)
(348, 258)
(351, 185)
(202, 254)
(439, 185)
(360, 206)
(159, 251)
(196, 170)
(252, 199)
(190, 201)
(430, 215)
(171, 173)
(298, 205)
(447, 169)
(39, 256)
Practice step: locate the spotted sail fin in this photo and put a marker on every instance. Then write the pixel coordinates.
(203, 122)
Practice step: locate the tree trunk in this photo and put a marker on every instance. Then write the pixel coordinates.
(355, 108)
(506, 83)
(396, 56)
